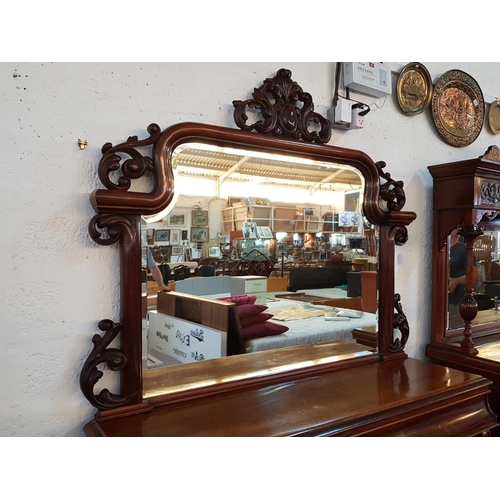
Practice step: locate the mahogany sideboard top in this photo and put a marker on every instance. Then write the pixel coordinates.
(403, 397)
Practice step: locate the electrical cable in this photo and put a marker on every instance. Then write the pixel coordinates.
(337, 81)
(360, 105)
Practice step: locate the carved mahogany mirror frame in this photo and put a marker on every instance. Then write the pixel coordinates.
(288, 126)
(466, 198)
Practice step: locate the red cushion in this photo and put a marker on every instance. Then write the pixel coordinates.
(240, 299)
(265, 329)
(253, 320)
(245, 310)
(250, 314)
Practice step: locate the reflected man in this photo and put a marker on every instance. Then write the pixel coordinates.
(456, 283)
(156, 273)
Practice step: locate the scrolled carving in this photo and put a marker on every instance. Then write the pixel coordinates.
(114, 359)
(470, 232)
(399, 234)
(277, 101)
(489, 216)
(392, 191)
(114, 225)
(133, 168)
(401, 323)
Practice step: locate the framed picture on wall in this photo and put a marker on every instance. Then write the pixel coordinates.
(175, 237)
(249, 230)
(199, 218)
(177, 219)
(184, 235)
(177, 251)
(349, 219)
(199, 234)
(214, 252)
(264, 232)
(162, 234)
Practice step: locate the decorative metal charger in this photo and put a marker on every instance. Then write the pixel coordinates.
(414, 88)
(494, 116)
(458, 108)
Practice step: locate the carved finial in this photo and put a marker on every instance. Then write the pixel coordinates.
(492, 154)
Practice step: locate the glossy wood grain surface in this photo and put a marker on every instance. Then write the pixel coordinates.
(400, 397)
(188, 381)
(489, 350)
(487, 316)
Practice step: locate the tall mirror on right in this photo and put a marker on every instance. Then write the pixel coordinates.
(466, 267)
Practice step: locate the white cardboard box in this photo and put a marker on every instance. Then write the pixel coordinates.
(241, 285)
(183, 341)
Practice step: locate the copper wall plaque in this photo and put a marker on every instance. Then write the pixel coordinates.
(458, 108)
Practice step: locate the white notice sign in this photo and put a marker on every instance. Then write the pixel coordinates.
(182, 340)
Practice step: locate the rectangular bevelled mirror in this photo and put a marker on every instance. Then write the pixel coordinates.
(301, 216)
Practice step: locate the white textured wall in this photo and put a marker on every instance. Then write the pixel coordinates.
(57, 283)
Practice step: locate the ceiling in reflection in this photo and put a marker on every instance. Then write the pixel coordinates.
(220, 164)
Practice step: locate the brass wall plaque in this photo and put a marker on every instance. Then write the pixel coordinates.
(494, 116)
(414, 88)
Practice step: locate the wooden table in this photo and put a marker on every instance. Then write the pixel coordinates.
(403, 397)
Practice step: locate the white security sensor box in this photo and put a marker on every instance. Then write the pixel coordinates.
(369, 78)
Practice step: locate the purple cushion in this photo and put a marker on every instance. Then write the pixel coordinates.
(266, 329)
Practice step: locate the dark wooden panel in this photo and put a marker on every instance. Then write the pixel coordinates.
(303, 278)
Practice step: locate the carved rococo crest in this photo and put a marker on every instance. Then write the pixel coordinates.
(277, 99)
